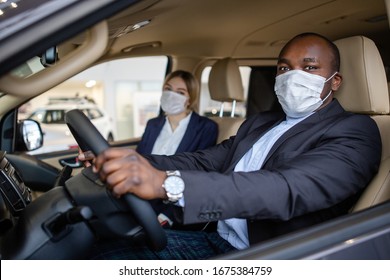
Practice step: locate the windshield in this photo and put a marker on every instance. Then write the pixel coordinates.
(18, 14)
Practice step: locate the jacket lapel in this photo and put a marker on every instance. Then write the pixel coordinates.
(190, 133)
(248, 141)
(154, 133)
(332, 109)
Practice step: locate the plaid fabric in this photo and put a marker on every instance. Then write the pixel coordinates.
(182, 245)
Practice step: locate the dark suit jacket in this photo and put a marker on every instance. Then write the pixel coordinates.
(313, 172)
(201, 133)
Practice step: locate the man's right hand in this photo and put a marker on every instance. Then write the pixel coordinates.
(86, 157)
(126, 171)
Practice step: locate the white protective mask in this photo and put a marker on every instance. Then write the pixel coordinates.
(299, 92)
(173, 103)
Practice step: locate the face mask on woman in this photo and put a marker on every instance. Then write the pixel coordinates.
(299, 92)
(173, 103)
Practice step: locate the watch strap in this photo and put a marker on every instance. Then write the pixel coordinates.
(173, 173)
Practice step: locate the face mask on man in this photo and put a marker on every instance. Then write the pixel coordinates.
(299, 92)
(173, 103)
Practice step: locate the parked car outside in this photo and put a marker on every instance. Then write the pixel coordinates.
(56, 134)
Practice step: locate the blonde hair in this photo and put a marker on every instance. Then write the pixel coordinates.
(191, 82)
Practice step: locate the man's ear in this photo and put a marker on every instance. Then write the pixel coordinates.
(336, 81)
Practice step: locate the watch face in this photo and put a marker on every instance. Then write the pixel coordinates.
(174, 185)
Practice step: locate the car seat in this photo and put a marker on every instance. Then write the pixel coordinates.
(364, 90)
(225, 85)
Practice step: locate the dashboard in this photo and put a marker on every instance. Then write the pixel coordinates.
(76, 212)
(15, 194)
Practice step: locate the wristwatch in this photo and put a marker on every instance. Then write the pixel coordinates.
(174, 186)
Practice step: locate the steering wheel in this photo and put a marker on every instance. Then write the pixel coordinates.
(89, 138)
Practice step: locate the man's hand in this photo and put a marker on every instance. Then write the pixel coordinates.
(125, 171)
(86, 157)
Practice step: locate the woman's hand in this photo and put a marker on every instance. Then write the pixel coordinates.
(126, 171)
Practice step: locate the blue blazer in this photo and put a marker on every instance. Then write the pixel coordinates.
(201, 133)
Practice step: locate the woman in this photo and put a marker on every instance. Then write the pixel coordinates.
(180, 129)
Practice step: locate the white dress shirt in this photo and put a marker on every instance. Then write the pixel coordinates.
(168, 141)
(235, 230)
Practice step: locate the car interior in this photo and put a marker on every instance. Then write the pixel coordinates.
(194, 35)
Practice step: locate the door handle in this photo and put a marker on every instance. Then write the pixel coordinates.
(71, 162)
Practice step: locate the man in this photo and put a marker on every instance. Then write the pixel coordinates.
(281, 172)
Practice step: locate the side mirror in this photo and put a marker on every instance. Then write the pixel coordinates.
(30, 136)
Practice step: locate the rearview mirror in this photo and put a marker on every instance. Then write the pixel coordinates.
(30, 136)
(49, 57)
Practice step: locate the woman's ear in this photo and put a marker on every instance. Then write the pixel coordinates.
(188, 103)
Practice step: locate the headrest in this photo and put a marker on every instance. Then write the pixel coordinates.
(225, 83)
(364, 86)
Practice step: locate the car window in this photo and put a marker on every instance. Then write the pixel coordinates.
(94, 114)
(118, 96)
(55, 116)
(85, 112)
(38, 115)
(48, 116)
(209, 107)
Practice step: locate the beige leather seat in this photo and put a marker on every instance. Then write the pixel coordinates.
(364, 90)
(225, 85)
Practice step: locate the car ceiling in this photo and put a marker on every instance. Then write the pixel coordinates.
(240, 29)
(204, 30)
